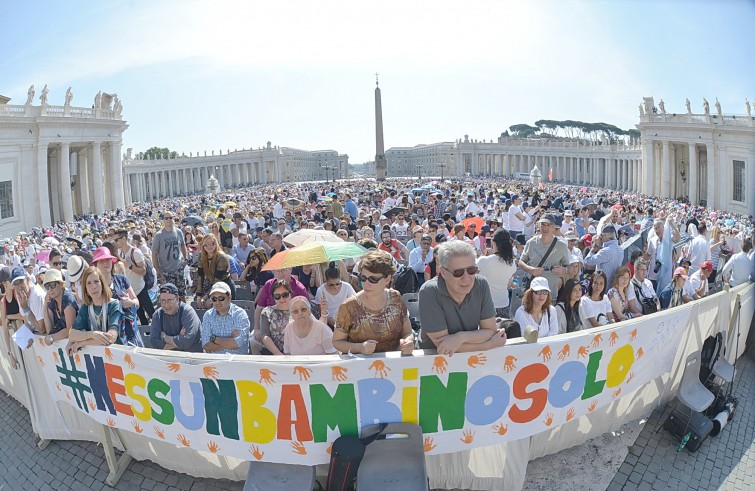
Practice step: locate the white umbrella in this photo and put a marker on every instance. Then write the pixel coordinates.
(51, 240)
(310, 235)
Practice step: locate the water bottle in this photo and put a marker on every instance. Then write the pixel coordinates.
(684, 441)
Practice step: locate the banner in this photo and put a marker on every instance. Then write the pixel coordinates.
(291, 413)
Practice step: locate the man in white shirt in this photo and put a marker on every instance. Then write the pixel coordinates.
(738, 268)
(421, 257)
(698, 281)
(516, 216)
(31, 300)
(699, 249)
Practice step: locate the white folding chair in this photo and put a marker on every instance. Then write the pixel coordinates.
(721, 367)
(395, 461)
(411, 301)
(692, 392)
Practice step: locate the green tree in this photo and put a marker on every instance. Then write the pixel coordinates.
(159, 153)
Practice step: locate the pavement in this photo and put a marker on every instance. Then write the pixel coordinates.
(723, 462)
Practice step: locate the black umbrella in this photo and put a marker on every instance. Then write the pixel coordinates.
(192, 220)
(395, 211)
(77, 241)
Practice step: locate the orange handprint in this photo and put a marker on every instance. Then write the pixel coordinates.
(304, 372)
(92, 405)
(593, 406)
(380, 369)
(210, 371)
(174, 367)
(55, 357)
(616, 393)
(440, 365)
(266, 376)
(570, 414)
(40, 360)
(183, 440)
(640, 353)
(548, 419)
(158, 432)
(108, 354)
(596, 340)
(546, 353)
(583, 351)
(298, 448)
(57, 386)
(213, 447)
(429, 444)
(129, 361)
(68, 396)
(110, 422)
(330, 448)
(256, 453)
(614, 337)
(77, 358)
(338, 373)
(630, 377)
(500, 428)
(137, 427)
(478, 359)
(564, 353)
(467, 437)
(632, 334)
(41, 341)
(508, 365)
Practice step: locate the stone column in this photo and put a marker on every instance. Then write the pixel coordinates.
(43, 218)
(116, 168)
(648, 162)
(64, 174)
(692, 183)
(97, 179)
(83, 178)
(665, 170)
(710, 197)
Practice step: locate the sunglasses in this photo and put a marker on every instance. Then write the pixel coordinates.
(372, 279)
(278, 296)
(218, 299)
(57, 263)
(458, 273)
(542, 292)
(50, 286)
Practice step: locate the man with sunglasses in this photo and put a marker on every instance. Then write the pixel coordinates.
(421, 257)
(456, 307)
(175, 325)
(168, 253)
(539, 247)
(225, 327)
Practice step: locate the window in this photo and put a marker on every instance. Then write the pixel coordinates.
(739, 181)
(6, 199)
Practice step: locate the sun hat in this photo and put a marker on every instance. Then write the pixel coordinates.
(102, 254)
(53, 276)
(539, 284)
(75, 266)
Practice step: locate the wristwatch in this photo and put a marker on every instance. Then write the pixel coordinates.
(212, 338)
(50, 339)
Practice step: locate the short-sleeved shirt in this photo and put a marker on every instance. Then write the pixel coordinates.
(319, 341)
(439, 312)
(533, 253)
(133, 258)
(58, 319)
(362, 324)
(272, 323)
(167, 246)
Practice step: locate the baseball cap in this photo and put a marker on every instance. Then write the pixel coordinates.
(220, 287)
(685, 260)
(707, 265)
(170, 288)
(571, 235)
(547, 218)
(16, 273)
(521, 239)
(568, 213)
(515, 197)
(587, 239)
(680, 272)
(539, 284)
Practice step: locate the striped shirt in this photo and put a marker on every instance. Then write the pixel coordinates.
(213, 324)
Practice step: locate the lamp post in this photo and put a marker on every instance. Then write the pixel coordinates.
(442, 166)
(419, 171)
(326, 168)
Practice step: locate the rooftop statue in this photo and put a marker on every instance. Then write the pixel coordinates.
(642, 111)
(98, 100)
(43, 95)
(748, 107)
(706, 107)
(69, 97)
(30, 95)
(689, 109)
(662, 105)
(718, 108)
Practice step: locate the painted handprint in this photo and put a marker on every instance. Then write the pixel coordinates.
(501, 428)
(129, 361)
(616, 393)
(583, 351)
(548, 419)
(108, 354)
(174, 367)
(213, 447)
(110, 422)
(380, 369)
(478, 359)
(330, 448)
(593, 406)
(56, 357)
(596, 340)
(40, 360)
(467, 437)
(630, 377)
(570, 414)
(564, 353)
(338, 373)
(183, 440)
(632, 334)
(137, 427)
(57, 386)
(68, 396)
(429, 445)
(508, 364)
(91, 404)
(159, 433)
(640, 353)
(210, 371)
(256, 452)
(77, 358)
(303, 372)
(546, 353)
(613, 338)
(298, 448)
(440, 365)
(266, 376)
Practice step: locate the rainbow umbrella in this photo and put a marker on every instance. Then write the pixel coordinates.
(314, 253)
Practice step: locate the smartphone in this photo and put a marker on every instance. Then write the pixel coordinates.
(487, 242)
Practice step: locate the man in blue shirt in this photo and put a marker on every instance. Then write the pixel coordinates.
(225, 327)
(606, 254)
(350, 207)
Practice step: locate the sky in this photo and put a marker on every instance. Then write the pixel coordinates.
(212, 75)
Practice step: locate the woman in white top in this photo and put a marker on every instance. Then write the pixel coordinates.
(305, 335)
(331, 294)
(595, 308)
(499, 269)
(536, 309)
(622, 297)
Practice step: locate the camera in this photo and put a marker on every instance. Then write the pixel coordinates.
(657, 266)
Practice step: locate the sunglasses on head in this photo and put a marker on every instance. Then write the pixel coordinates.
(458, 273)
(218, 299)
(372, 279)
(278, 296)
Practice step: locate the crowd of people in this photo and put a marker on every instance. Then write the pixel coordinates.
(175, 268)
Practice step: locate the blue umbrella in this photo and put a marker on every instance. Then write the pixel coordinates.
(729, 222)
(417, 191)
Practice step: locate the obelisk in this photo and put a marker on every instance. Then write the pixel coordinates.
(380, 166)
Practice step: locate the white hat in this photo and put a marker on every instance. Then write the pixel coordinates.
(220, 287)
(539, 284)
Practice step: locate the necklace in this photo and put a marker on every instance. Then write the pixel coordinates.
(98, 317)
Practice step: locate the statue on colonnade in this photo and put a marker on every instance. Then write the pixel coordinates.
(718, 108)
(706, 107)
(98, 100)
(69, 97)
(30, 95)
(689, 107)
(642, 111)
(748, 107)
(43, 95)
(662, 105)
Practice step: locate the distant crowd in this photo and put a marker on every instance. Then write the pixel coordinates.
(454, 265)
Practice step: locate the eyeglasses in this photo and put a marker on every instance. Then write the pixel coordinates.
(278, 296)
(218, 299)
(372, 279)
(334, 284)
(172, 300)
(426, 242)
(57, 263)
(50, 286)
(458, 273)
(542, 292)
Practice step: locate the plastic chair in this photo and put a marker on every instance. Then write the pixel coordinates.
(243, 292)
(411, 301)
(268, 476)
(722, 368)
(692, 392)
(394, 462)
(244, 304)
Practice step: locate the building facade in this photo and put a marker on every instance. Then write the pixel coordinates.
(57, 161)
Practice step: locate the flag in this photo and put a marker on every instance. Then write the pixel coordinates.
(664, 254)
(550, 174)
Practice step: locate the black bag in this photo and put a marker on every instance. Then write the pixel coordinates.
(345, 457)
(647, 303)
(709, 354)
(149, 276)
(405, 280)
(696, 424)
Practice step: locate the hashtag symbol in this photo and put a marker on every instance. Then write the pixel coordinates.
(72, 378)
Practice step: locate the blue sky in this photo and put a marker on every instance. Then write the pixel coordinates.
(203, 75)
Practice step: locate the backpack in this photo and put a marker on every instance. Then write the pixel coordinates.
(712, 349)
(149, 276)
(405, 280)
